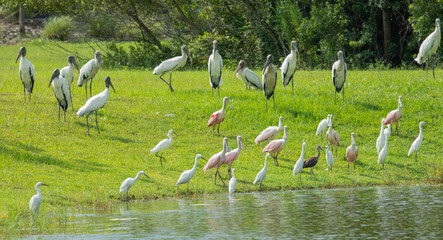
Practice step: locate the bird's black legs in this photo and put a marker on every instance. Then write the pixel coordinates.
(273, 101)
(229, 171)
(96, 123)
(212, 91)
(275, 159)
(415, 156)
(64, 115)
(218, 89)
(215, 178)
(87, 123)
(433, 62)
(260, 184)
(292, 86)
(90, 90)
(86, 90)
(266, 104)
(396, 127)
(24, 92)
(343, 93)
(310, 174)
(427, 68)
(220, 177)
(354, 166)
(300, 177)
(187, 188)
(218, 129)
(59, 113)
(170, 86)
(161, 157)
(30, 95)
(348, 168)
(213, 127)
(335, 100)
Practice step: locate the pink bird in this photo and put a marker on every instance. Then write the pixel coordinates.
(395, 115)
(219, 116)
(270, 132)
(217, 160)
(234, 154)
(332, 136)
(275, 146)
(352, 152)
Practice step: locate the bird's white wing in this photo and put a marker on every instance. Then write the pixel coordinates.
(125, 185)
(260, 176)
(85, 73)
(93, 103)
(161, 146)
(167, 65)
(185, 177)
(253, 79)
(321, 126)
(232, 184)
(284, 70)
(66, 92)
(415, 146)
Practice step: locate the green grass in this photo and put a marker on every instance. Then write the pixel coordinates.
(86, 171)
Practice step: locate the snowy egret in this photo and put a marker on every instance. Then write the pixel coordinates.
(381, 138)
(270, 132)
(417, 142)
(68, 73)
(276, 146)
(186, 176)
(27, 73)
(332, 136)
(232, 155)
(269, 79)
(127, 184)
(329, 158)
(217, 160)
(162, 145)
(322, 126)
(298, 166)
(219, 116)
(429, 47)
(312, 161)
(168, 66)
(36, 200)
(232, 182)
(384, 152)
(262, 174)
(288, 67)
(215, 68)
(395, 115)
(249, 77)
(352, 152)
(88, 72)
(339, 70)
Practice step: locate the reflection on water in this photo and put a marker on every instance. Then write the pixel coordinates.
(376, 212)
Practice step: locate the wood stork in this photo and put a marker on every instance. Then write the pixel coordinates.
(95, 103)
(217, 160)
(417, 142)
(232, 182)
(270, 132)
(162, 145)
(339, 70)
(215, 68)
(249, 77)
(269, 79)
(381, 138)
(312, 161)
(127, 184)
(329, 158)
(172, 64)
(27, 73)
(61, 92)
(219, 116)
(332, 136)
(276, 146)
(232, 155)
(262, 174)
(384, 152)
(352, 152)
(186, 176)
(395, 115)
(36, 200)
(88, 72)
(322, 126)
(288, 67)
(68, 73)
(298, 166)
(429, 47)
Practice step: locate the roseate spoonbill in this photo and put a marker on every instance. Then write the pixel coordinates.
(288, 67)
(329, 158)
(88, 72)
(352, 152)
(36, 200)
(262, 174)
(172, 64)
(429, 47)
(417, 142)
(232, 155)
(339, 70)
(218, 116)
(27, 73)
(322, 126)
(381, 138)
(232, 182)
(216, 161)
(269, 79)
(312, 161)
(95, 103)
(298, 167)
(215, 68)
(186, 176)
(127, 184)
(61, 92)
(384, 152)
(276, 146)
(270, 132)
(249, 78)
(162, 145)
(68, 73)
(395, 115)
(332, 136)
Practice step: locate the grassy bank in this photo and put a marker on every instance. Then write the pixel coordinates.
(86, 171)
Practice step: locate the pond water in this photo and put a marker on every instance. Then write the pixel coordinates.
(373, 212)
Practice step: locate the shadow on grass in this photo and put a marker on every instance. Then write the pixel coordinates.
(367, 105)
(123, 140)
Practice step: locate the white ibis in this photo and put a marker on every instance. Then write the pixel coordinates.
(381, 138)
(384, 152)
(276, 146)
(232, 155)
(329, 158)
(352, 152)
(270, 132)
(417, 142)
(217, 160)
(262, 174)
(186, 176)
(395, 115)
(172, 64)
(232, 182)
(312, 161)
(88, 72)
(162, 145)
(288, 67)
(429, 47)
(215, 68)
(298, 166)
(339, 70)
(322, 126)
(95, 103)
(249, 77)
(269, 79)
(219, 116)
(332, 136)
(68, 73)
(27, 73)
(127, 184)
(36, 200)
(61, 92)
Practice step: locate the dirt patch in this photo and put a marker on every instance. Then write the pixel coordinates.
(9, 31)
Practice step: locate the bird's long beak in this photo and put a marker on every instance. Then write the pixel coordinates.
(232, 108)
(322, 149)
(190, 58)
(110, 83)
(44, 185)
(52, 78)
(18, 57)
(236, 70)
(146, 175)
(242, 145)
(76, 66)
(174, 133)
(204, 159)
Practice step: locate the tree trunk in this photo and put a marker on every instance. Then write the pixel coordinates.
(21, 20)
(387, 31)
(191, 24)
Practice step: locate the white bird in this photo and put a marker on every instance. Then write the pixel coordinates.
(88, 72)
(429, 47)
(95, 103)
(27, 73)
(186, 176)
(384, 152)
(232, 182)
(298, 166)
(269, 79)
(339, 70)
(36, 200)
(417, 142)
(127, 184)
(262, 174)
(388, 129)
(215, 68)
(381, 138)
(172, 64)
(249, 77)
(68, 73)
(329, 158)
(322, 126)
(270, 132)
(288, 67)
(61, 91)
(162, 145)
